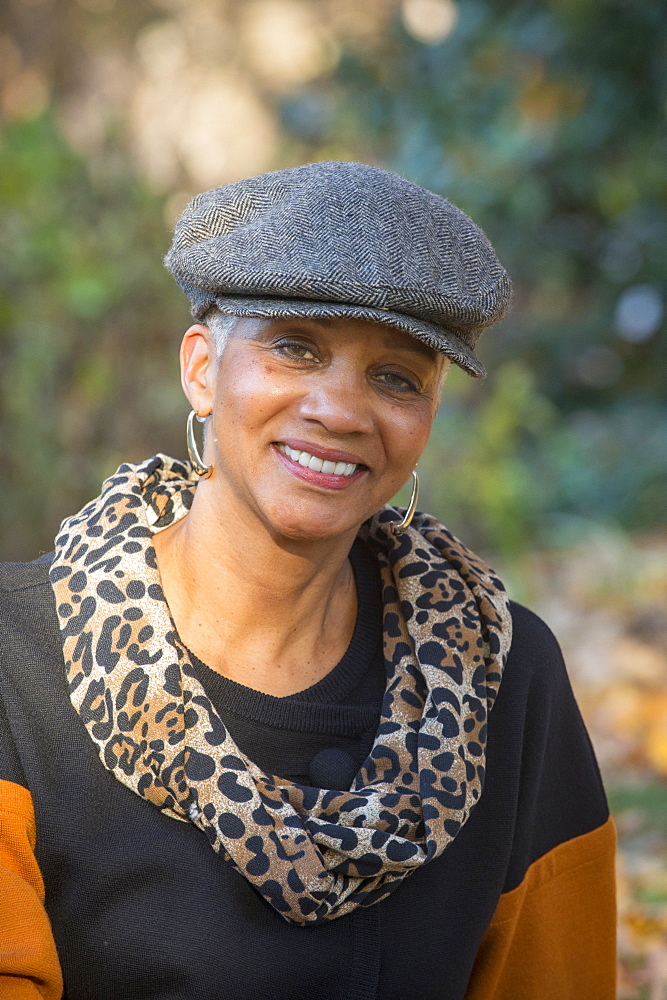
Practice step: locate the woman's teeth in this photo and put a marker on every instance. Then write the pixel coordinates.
(317, 464)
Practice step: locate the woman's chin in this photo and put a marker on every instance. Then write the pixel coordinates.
(312, 526)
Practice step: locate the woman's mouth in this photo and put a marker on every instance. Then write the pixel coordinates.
(319, 471)
(306, 460)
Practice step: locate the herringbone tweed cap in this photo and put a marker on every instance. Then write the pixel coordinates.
(342, 239)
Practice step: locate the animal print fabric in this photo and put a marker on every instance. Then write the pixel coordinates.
(314, 854)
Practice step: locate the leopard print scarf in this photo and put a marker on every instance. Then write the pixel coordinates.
(314, 854)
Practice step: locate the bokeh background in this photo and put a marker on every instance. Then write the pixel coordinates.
(543, 120)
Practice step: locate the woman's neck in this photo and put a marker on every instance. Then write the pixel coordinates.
(272, 614)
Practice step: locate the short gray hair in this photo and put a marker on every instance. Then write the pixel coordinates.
(221, 325)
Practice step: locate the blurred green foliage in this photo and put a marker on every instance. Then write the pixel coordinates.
(88, 366)
(545, 121)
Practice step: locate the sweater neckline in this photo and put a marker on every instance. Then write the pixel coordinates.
(325, 706)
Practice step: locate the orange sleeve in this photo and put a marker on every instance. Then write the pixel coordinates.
(554, 936)
(29, 966)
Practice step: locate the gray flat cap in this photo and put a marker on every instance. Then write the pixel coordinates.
(342, 239)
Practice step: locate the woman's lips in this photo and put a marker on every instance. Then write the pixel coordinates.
(324, 462)
(318, 471)
(319, 451)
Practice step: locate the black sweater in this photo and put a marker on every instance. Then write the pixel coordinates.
(141, 907)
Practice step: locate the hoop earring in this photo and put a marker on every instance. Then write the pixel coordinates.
(198, 465)
(398, 527)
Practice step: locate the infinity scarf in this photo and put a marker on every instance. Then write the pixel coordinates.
(314, 854)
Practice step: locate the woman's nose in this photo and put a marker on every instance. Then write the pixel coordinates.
(340, 403)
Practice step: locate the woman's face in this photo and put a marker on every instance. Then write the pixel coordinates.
(314, 424)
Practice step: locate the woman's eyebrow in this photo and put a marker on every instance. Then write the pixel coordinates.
(413, 347)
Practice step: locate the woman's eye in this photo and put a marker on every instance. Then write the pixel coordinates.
(294, 349)
(394, 380)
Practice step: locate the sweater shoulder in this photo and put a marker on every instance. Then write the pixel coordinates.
(531, 633)
(535, 657)
(18, 576)
(28, 619)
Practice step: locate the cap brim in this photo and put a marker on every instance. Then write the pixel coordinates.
(429, 333)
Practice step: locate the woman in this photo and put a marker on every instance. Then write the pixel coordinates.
(263, 735)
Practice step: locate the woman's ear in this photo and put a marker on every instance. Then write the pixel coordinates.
(198, 367)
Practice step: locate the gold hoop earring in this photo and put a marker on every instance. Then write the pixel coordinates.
(398, 527)
(197, 463)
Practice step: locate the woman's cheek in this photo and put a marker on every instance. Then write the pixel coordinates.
(409, 433)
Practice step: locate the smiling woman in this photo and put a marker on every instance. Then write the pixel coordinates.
(336, 698)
